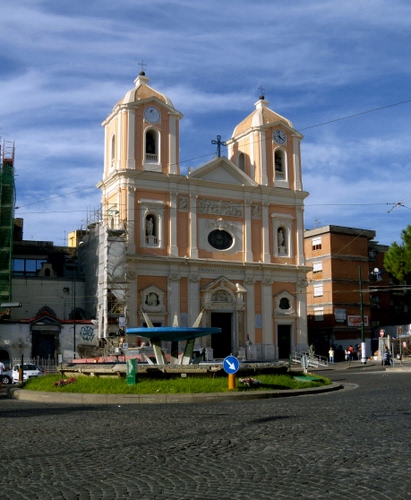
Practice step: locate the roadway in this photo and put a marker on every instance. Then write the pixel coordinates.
(347, 444)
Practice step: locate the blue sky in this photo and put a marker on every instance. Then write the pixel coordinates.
(65, 64)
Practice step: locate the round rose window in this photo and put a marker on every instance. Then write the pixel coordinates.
(221, 240)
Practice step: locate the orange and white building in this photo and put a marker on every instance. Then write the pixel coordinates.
(227, 238)
(346, 264)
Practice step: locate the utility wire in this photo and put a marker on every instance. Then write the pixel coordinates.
(355, 115)
(54, 197)
(212, 154)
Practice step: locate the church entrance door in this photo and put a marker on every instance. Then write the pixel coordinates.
(44, 345)
(284, 341)
(221, 342)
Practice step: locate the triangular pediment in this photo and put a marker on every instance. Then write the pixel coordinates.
(44, 320)
(224, 171)
(221, 283)
(222, 294)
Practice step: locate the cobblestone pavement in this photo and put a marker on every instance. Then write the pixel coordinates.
(348, 444)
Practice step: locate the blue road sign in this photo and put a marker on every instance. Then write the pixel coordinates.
(231, 364)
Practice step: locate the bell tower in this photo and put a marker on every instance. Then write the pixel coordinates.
(142, 132)
(141, 136)
(267, 148)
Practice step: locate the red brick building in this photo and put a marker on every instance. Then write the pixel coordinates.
(347, 265)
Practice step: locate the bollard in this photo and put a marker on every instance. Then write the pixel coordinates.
(21, 376)
(231, 381)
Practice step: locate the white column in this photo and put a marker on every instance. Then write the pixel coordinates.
(300, 235)
(131, 221)
(252, 156)
(119, 138)
(173, 296)
(248, 254)
(107, 152)
(266, 234)
(193, 226)
(302, 334)
(267, 312)
(131, 139)
(173, 224)
(172, 147)
(250, 308)
(263, 156)
(297, 164)
(193, 298)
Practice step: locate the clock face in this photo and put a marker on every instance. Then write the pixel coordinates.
(279, 137)
(152, 115)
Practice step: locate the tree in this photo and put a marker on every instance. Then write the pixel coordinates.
(397, 259)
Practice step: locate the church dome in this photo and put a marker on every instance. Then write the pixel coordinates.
(142, 92)
(262, 115)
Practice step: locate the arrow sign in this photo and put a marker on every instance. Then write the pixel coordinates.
(231, 365)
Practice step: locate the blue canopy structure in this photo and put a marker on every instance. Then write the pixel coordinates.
(173, 334)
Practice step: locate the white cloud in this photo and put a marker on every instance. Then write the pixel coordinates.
(66, 64)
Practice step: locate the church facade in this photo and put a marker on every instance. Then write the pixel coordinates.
(226, 239)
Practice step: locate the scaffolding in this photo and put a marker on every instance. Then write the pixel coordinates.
(112, 300)
(7, 203)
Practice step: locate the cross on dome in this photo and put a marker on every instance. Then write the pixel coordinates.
(142, 64)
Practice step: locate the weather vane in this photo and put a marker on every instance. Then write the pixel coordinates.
(261, 89)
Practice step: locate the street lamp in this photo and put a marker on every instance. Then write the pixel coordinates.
(363, 347)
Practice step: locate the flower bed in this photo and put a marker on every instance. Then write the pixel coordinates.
(251, 382)
(64, 382)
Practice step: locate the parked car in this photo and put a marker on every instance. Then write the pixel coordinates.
(29, 371)
(7, 377)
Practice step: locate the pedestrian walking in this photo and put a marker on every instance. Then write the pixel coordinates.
(331, 355)
(387, 357)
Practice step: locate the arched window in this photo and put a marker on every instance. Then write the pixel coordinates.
(282, 234)
(113, 149)
(151, 146)
(284, 303)
(152, 223)
(282, 238)
(151, 229)
(240, 161)
(77, 313)
(279, 164)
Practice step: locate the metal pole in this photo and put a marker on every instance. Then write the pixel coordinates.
(231, 381)
(363, 347)
(74, 318)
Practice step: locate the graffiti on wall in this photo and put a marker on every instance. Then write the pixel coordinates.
(87, 333)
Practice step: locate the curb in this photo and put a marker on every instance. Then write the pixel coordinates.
(119, 399)
(336, 367)
(403, 369)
